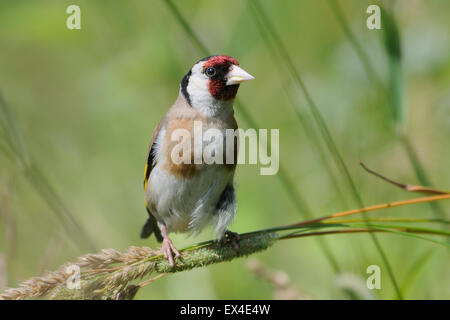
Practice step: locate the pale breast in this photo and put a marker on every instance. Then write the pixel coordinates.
(184, 195)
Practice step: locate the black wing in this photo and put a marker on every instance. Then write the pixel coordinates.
(151, 225)
(150, 164)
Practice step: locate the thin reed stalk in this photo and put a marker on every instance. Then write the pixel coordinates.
(309, 129)
(16, 151)
(325, 132)
(361, 53)
(394, 97)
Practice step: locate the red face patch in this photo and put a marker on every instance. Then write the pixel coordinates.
(220, 91)
(216, 84)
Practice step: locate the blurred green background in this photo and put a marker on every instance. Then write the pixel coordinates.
(87, 101)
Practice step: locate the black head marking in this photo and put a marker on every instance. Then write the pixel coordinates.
(184, 84)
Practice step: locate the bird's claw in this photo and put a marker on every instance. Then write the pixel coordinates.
(168, 250)
(232, 237)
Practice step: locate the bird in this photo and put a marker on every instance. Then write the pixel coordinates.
(187, 197)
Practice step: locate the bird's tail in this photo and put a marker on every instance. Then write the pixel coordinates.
(151, 226)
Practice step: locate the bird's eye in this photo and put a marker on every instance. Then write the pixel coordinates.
(210, 72)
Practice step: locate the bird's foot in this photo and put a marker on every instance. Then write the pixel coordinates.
(232, 237)
(169, 250)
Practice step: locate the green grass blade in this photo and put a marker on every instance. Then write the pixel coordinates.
(187, 28)
(413, 235)
(406, 230)
(392, 43)
(416, 268)
(371, 220)
(12, 134)
(39, 182)
(362, 55)
(326, 135)
(44, 187)
(439, 232)
(420, 172)
(308, 128)
(7, 153)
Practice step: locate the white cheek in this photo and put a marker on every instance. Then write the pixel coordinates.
(199, 94)
(198, 88)
(201, 98)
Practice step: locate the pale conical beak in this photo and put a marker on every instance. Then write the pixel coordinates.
(237, 75)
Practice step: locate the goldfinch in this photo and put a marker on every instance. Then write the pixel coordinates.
(188, 196)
